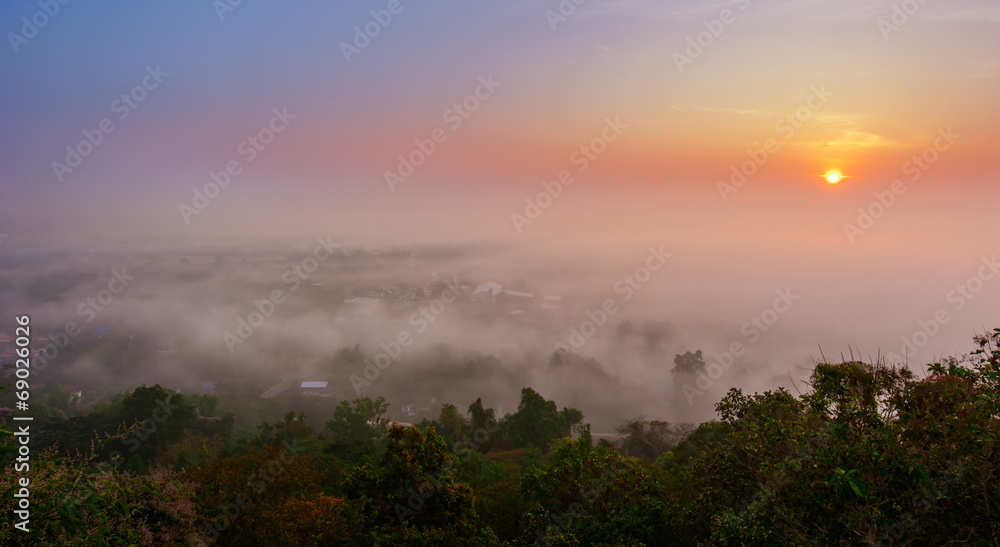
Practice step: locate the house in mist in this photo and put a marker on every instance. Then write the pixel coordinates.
(315, 388)
(412, 409)
(486, 292)
(75, 393)
(492, 291)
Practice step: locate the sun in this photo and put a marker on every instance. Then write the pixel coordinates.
(833, 177)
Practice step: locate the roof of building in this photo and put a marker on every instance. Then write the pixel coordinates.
(490, 288)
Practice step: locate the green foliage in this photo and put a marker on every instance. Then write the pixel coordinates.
(57, 398)
(870, 455)
(291, 428)
(74, 504)
(693, 445)
(359, 428)
(142, 422)
(411, 497)
(478, 472)
(588, 495)
(206, 404)
(647, 440)
(483, 420)
(538, 421)
(452, 424)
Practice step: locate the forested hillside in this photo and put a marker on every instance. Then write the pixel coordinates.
(870, 455)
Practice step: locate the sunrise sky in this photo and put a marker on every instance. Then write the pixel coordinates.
(889, 89)
(577, 136)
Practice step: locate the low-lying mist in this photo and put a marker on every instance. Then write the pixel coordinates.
(594, 329)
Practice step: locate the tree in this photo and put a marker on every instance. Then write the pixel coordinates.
(410, 496)
(573, 418)
(482, 418)
(483, 424)
(291, 428)
(237, 492)
(452, 424)
(74, 504)
(358, 429)
(870, 456)
(142, 422)
(647, 440)
(58, 397)
(586, 495)
(347, 357)
(689, 364)
(538, 422)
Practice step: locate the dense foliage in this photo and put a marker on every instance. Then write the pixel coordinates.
(871, 455)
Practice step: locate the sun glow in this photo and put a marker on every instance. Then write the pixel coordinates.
(833, 177)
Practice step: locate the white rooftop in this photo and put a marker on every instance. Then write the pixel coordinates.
(490, 288)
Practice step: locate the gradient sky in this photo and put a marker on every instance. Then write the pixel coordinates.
(890, 93)
(608, 59)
